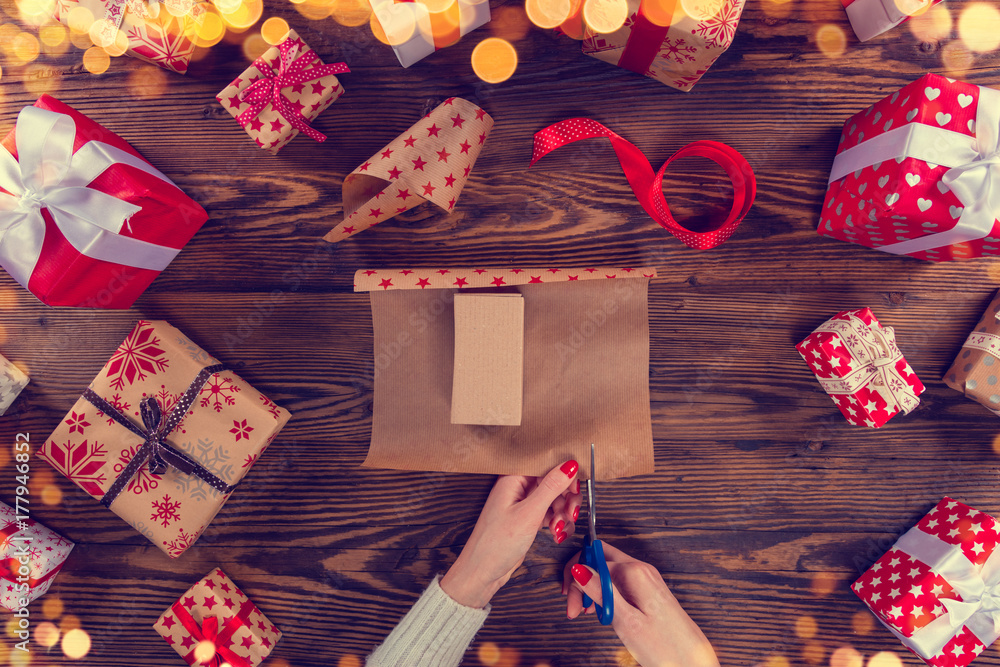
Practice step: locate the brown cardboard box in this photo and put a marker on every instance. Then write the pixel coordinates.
(489, 359)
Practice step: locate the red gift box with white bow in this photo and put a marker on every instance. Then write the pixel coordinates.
(918, 173)
(938, 588)
(858, 363)
(84, 219)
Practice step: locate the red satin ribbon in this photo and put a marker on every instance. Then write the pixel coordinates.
(9, 573)
(210, 630)
(291, 71)
(648, 187)
(645, 39)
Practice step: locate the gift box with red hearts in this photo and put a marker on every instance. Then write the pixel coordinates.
(937, 589)
(858, 363)
(30, 557)
(917, 174)
(870, 18)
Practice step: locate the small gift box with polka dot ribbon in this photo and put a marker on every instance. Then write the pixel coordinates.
(938, 588)
(30, 557)
(977, 366)
(918, 173)
(857, 362)
(215, 623)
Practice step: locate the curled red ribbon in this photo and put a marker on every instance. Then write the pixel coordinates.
(648, 187)
(220, 636)
(292, 70)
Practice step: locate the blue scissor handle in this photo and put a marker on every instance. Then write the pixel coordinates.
(593, 556)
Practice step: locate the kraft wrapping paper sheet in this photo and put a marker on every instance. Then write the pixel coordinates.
(586, 372)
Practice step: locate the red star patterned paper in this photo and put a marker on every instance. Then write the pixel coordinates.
(372, 280)
(974, 372)
(429, 162)
(900, 198)
(12, 382)
(678, 54)
(858, 363)
(216, 597)
(226, 429)
(270, 130)
(46, 552)
(905, 592)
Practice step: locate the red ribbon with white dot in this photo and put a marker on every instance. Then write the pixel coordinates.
(292, 70)
(647, 186)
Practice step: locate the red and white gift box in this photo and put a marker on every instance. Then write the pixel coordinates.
(84, 219)
(938, 588)
(858, 364)
(415, 32)
(918, 173)
(870, 18)
(31, 545)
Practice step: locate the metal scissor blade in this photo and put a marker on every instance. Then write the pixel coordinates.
(592, 497)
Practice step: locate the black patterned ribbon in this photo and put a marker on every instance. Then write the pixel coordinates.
(155, 449)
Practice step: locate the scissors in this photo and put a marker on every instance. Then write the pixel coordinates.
(593, 555)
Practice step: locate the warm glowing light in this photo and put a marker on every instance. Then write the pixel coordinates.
(776, 661)
(118, 46)
(349, 661)
(979, 27)
(813, 653)
(227, 6)
(52, 607)
(805, 627)
(845, 656)
(51, 494)
(96, 60)
(80, 40)
(932, 26)
(437, 6)
(316, 9)
(489, 654)
(11, 628)
(660, 12)
(397, 23)
(824, 583)
(76, 644)
(52, 35)
(494, 60)
(352, 13)
(210, 30)
(204, 651)
(79, 20)
(274, 30)
(35, 11)
(25, 47)
(702, 10)
(69, 622)
(862, 623)
(38, 79)
(46, 634)
(572, 27)
(831, 40)
(102, 32)
(885, 659)
(19, 659)
(625, 659)
(246, 14)
(377, 30)
(778, 9)
(604, 16)
(957, 58)
(254, 47)
(547, 13)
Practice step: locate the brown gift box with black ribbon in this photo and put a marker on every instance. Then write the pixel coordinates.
(977, 366)
(163, 435)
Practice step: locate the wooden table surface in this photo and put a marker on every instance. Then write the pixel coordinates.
(765, 504)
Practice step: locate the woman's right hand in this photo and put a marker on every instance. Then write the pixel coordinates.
(647, 617)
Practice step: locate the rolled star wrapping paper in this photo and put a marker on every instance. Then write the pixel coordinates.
(101, 227)
(918, 173)
(163, 435)
(415, 32)
(28, 543)
(937, 588)
(215, 609)
(870, 18)
(975, 370)
(429, 162)
(12, 382)
(858, 363)
(281, 92)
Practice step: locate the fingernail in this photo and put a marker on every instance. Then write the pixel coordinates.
(569, 468)
(560, 537)
(581, 574)
(576, 513)
(577, 487)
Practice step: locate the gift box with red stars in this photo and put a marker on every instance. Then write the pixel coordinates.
(857, 362)
(215, 623)
(31, 545)
(937, 588)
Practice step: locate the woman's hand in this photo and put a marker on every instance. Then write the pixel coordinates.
(648, 618)
(515, 510)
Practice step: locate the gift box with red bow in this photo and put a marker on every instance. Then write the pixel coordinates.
(161, 32)
(674, 42)
(30, 557)
(870, 18)
(84, 219)
(938, 588)
(282, 92)
(215, 623)
(163, 435)
(415, 32)
(858, 364)
(918, 173)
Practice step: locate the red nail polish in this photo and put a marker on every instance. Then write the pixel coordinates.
(577, 487)
(569, 468)
(560, 524)
(581, 574)
(576, 513)
(560, 537)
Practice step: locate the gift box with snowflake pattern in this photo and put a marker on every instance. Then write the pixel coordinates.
(26, 543)
(163, 435)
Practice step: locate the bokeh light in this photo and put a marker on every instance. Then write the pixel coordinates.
(845, 656)
(572, 27)
(19, 659)
(351, 13)
(625, 659)
(488, 654)
(813, 653)
(979, 27)
(204, 651)
(80, 40)
(254, 46)
(396, 23)
(805, 627)
(831, 40)
(885, 659)
(702, 10)
(210, 30)
(274, 30)
(25, 47)
(957, 58)
(51, 495)
(932, 26)
(494, 60)
(52, 607)
(824, 583)
(660, 12)
(349, 661)
(53, 34)
(445, 28)
(96, 60)
(76, 644)
(244, 15)
(776, 661)
(46, 634)
(316, 9)
(862, 623)
(604, 16)
(547, 14)
(69, 622)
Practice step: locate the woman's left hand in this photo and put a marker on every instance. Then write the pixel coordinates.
(515, 510)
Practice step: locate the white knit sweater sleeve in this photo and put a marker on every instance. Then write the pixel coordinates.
(434, 633)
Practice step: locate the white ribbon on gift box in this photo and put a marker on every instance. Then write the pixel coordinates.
(973, 175)
(408, 25)
(870, 18)
(979, 610)
(48, 174)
